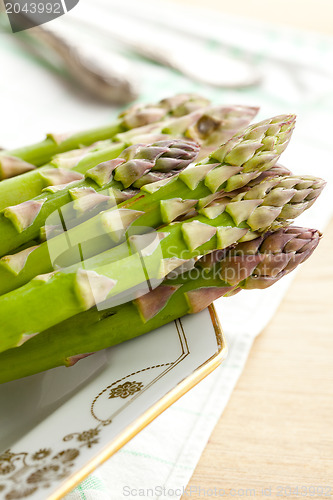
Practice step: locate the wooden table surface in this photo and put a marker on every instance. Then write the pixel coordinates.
(277, 429)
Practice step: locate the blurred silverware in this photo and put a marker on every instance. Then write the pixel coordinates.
(100, 76)
(103, 77)
(202, 65)
(163, 45)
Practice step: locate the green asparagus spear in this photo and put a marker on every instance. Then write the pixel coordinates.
(30, 184)
(231, 166)
(47, 203)
(135, 116)
(23, 222)
(110, 275)
(19, 268)
(93, 330)
(70, 167)
(209, 127)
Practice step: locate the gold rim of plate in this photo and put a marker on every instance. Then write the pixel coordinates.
(149, 415)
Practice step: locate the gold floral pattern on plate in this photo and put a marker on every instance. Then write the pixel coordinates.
(39, 470)
(125, 390)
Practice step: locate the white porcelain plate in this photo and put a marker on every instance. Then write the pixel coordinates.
(57, 427)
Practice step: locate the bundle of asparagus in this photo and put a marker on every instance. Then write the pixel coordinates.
(149, 235)
(231, 166)
(255, 264)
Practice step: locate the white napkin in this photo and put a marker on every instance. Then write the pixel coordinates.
(297, 78)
